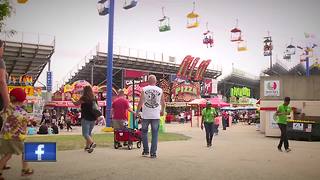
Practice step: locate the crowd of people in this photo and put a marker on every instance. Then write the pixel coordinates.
(151, 106)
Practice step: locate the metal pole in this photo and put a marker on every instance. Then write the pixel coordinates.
(122, 79)
(49, 65)
(271, 60)
(133, 99)
(92, 66)
(307, 64)
(110, 64)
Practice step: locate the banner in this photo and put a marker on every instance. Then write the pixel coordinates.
(240, 92)
(68, 88)
(214, 86)
(24, 80)
(193, 65)
(208, 87)
(132, 74)
(184, 66)
(28, 89)
(188, 65)
(271, 88)
(185, 92)
(272, 120)
(49, 81)
(202, 69)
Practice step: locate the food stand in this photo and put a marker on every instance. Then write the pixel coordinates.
(61, 100)
(304, 120)
(34, 103)
(172, 109)
(182, 93)
(199, 104)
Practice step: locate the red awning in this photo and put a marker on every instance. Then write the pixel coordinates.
(69, 104)
(216, 102)
(198, 101)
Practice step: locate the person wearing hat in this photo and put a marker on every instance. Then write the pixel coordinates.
(208, 115)
(14, 131)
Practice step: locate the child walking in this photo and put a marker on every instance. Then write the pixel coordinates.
(13, 132)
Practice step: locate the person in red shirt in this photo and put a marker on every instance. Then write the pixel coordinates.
(120, 108)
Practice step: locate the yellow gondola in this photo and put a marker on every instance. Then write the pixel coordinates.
(22, 1)
(242, 46)
(192, 18)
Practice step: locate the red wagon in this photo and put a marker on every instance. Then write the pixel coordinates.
(127, 135)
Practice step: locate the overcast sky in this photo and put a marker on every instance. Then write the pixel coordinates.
(78, 28)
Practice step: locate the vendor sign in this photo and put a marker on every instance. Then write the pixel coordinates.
(79, 85)
(185, 92)
(68, 88)
(271, 88)
(20, 80)
(240, 92)
(272, 120)
(28, 89)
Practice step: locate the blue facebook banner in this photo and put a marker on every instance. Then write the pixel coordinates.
(40, 151)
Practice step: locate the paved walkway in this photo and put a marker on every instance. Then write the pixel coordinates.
(238, 153)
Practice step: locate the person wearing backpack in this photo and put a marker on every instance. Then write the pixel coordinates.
(88, 116)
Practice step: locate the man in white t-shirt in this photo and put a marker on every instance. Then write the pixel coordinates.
(152, 104)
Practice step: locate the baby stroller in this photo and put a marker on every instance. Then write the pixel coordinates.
(127, 135)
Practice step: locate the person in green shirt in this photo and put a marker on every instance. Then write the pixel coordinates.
(282, 113)
(208, 115)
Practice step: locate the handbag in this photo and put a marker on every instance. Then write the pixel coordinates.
(95, 110)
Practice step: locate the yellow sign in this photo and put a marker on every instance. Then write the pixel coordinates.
(301, 121)
(240, 92)
(68, 88)
(28, 89)
(22, 1)
(186, 89)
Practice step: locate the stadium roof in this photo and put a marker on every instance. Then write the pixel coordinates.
(27, 58)
(241, 78)
(299, 69)
(97, 65)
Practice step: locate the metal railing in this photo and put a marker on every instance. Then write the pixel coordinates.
(28, 37)
(131, 52)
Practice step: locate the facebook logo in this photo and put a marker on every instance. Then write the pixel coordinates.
(40, 151)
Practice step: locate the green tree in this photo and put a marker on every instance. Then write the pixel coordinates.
(5, 12)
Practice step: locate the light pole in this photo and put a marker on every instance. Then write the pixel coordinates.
(110, 63)
(107, 7)
(307, 51)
